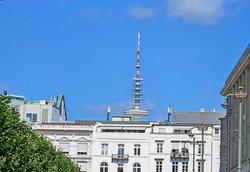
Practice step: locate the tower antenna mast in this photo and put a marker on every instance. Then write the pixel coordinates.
(138, 60)
(137, 112)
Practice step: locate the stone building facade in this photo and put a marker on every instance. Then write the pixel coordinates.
(135, 146)
(240, 76)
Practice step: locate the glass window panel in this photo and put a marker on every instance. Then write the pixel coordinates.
(34, 118)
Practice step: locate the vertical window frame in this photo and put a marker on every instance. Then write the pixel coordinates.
(175, 166)
(158, 166)
(159, 147)
(104, 149)
(137, 149)
(104, 167)
(184, 166)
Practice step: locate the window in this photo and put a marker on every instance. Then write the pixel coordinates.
(185, 167)
(31, 117)
(136, 167)
(175, 151)
(122, 131)
(82, 148)
(137, 149)
(159, 166)
(82, 165)
(64, 147)
(104, 167)
(120, 149)
(159, 147)
(184, 151)
(199, 166)
(216, 131)
(174, 166)
(178, 131)
(104, 149)
(175, 147)
(162, 130)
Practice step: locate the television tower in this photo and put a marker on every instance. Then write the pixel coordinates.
(136, 113)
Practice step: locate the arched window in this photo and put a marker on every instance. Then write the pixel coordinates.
(104, 167)
(136, 167)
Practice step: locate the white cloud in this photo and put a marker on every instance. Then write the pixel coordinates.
(116, 108)
(139, 12)
(95, 13)
(206, 12)
(201, 11)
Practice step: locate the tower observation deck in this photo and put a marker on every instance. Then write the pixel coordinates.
(136, 112)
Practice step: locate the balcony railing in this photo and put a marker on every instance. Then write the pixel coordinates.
(179, 155)
(117, 158)
(120, 157)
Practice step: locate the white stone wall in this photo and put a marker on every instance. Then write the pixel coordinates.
(113, 139)
(72, 134)
(37, 108)
(93, 135)
(148, 148)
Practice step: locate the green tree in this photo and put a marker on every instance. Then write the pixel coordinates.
(22, 149)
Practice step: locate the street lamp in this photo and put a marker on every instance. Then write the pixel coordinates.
(238, 95)
(193, 142)
(203, 128)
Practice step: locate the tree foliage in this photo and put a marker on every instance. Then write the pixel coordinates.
(21, 149)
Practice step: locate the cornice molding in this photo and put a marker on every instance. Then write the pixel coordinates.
(239, 68)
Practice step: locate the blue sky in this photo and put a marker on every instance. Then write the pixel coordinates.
(86, 50)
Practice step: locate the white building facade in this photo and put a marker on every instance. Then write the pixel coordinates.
(72, 139)
(135, 146)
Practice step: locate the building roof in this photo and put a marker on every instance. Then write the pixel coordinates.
(197, 117)
(181, 124)
(240, 65)
(115, 122)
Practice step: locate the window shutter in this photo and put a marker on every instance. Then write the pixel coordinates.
(161, 130)
(64, 147)
(83, 165)
(45, 115)
(175, 145)
(82, 147)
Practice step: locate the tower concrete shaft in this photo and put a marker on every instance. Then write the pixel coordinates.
(137, 112)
